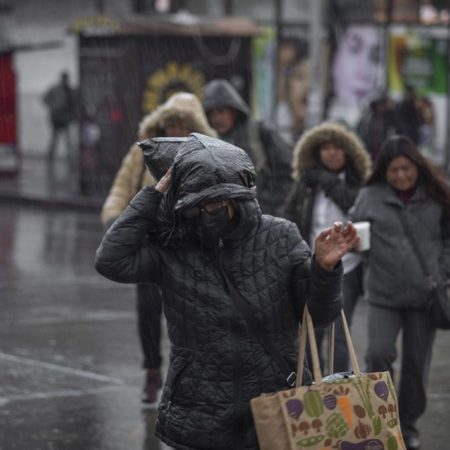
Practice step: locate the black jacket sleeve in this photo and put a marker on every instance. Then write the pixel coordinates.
(320, 289)
(125, 253)
(277, 150)
(289, 209)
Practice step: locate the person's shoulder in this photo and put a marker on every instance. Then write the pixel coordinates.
(373, 192)
(266, 128)
(278, 225)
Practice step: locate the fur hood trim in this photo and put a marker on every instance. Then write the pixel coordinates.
(183, 107)
(309, 143)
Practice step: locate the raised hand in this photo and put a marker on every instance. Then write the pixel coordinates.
(333, 243)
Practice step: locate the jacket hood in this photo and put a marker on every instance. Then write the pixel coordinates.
(220, 93)
(159, 154)
(183, 107)
(207, 169)
(306, 149)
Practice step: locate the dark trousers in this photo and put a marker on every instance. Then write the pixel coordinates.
(149, 309)
(352, 290)
(418, 335)
(57, 133)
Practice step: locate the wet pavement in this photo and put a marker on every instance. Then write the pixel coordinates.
(70, 375)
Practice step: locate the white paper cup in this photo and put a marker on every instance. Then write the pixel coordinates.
(363, 229)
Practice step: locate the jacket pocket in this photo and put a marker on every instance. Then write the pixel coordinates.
(179, 373)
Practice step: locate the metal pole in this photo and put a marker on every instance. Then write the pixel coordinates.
(315, 98)
(100, 6)
(278, 16)
(447, 141)
(387, 43)
(228, 7)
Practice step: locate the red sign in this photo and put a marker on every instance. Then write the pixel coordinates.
(8, 118)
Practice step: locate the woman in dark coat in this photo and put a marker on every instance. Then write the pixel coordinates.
(404, 186)
(200, 224)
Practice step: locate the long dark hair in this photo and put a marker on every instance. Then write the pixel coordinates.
(433, 181)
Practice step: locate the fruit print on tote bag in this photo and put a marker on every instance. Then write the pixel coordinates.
(341, 412)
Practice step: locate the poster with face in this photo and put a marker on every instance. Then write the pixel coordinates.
(357, 71)
(281, 80)
(293, 86)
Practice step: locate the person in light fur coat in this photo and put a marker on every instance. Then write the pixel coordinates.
(179, 116)
(330, 164)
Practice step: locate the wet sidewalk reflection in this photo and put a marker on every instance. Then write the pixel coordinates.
(70, 375)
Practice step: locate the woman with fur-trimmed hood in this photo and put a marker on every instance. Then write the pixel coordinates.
(330, 165)
(179, 116)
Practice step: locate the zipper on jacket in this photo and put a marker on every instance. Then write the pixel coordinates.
(236, 359)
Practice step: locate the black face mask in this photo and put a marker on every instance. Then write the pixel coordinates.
(216, 224)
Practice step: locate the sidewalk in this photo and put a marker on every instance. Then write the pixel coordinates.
(50, 187)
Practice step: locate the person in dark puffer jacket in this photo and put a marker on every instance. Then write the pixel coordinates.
(200, 223)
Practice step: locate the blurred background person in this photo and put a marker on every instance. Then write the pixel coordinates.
(329, 167)
(179, 116)
(404, 185)
(377, 123)
(271, 154)
(428, 123)
(60, 100)
(409, 115)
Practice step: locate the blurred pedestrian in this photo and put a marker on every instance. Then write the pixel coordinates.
(330, 165)
(377, 123)
(408, 115)
(404, 187)
(225, 270)
(229, 115)
(180, 115)
(60, 100)
(428, 123)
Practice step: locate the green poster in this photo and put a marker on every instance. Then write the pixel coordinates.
(418, 59)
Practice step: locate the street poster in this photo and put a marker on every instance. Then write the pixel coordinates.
(418, 57)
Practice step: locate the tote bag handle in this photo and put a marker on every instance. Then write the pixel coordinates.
(307, 332)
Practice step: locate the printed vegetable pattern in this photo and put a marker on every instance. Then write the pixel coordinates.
(360, 414)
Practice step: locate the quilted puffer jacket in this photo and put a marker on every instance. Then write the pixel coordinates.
(216, 364)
